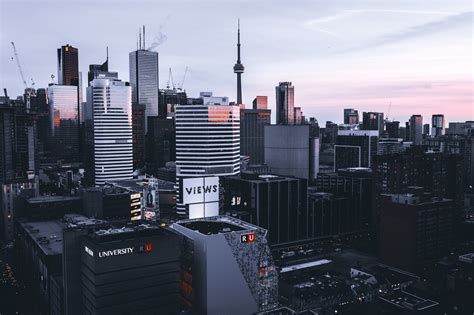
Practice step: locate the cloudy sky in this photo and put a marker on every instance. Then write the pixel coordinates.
(416, 54)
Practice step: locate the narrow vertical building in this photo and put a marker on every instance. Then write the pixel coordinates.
(416, 129)
(252, 122)
(110, 121)
(437, 125)
(285, 101)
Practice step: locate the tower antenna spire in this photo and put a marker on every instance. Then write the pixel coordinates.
(239, 67)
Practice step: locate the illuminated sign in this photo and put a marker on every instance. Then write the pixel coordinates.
(200, 190)
(136, 206)
(248, 238)
(116, 252)
(89, 251)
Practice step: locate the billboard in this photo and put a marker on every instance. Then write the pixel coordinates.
(199, 190)
(135, 206)
(151, 207)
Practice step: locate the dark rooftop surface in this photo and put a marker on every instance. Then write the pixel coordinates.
(212, 227)
(47, 235)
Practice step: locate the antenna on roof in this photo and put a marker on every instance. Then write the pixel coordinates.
(144, 37)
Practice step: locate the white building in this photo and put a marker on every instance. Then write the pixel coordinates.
(207, 143)
(110, 111)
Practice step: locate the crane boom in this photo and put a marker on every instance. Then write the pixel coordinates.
(29, 91)
(180, 87)
(19, 65)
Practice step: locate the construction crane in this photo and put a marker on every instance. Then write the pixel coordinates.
(29, 91)
(170, 80)
(180, 86)
(388, 112)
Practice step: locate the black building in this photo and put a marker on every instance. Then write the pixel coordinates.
(160, 144)
(328, 214)
(68, 65)
(355, 148)
(276, 203)
(352, 206)
(392, 129)
(252, 122)
(138, 135)
(168, 99)
(128, 269)
(372, 121)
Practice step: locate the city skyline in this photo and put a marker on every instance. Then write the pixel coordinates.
(361, 55)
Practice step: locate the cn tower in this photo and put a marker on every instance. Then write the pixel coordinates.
(239, 68)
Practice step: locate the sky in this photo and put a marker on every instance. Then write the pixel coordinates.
(398, 57)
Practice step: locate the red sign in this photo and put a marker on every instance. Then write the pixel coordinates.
(248, 238)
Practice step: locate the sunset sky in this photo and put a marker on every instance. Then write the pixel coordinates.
(416, 54)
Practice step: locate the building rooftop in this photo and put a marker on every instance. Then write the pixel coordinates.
(467, 258)
(140, 183)
(305, 265)
(47, 235)
(405, 300)
(216, 225)
(42, 199)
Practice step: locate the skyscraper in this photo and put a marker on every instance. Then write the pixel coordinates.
(144, 79)
(239, 69)
(285, 101)
(100, 70)
(207, 142)
(64, 119)
(68, 65)
(437, 125)
(252, 122)
(416, 129)
(110, 121)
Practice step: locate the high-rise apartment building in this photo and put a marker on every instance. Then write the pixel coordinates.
(437, 125)
(252, 122)
(285, 103)
(110, 130)
(144, 79)
(416, 129)
(392, 129)
(207, 142)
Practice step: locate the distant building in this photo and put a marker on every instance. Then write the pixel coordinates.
(285, 102)
(160, 144)
(275, 203)
(260, 102)
(391, 146)
(373, 121)
(426, 130)
(220, 251)
(109, 129)
(355, 148)
(252, 122)
(351, 116)
(298, 116)
(438, 125)
(416, 129)
(100, 71)
(144, 81)
(168, 100)
(427, 229)
(392, 129)
(292, 150)
(64, 121)
(68, 65)
(459, 128)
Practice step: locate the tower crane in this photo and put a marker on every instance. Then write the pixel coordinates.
(29, 91)
(180, 86)
(170, 80)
